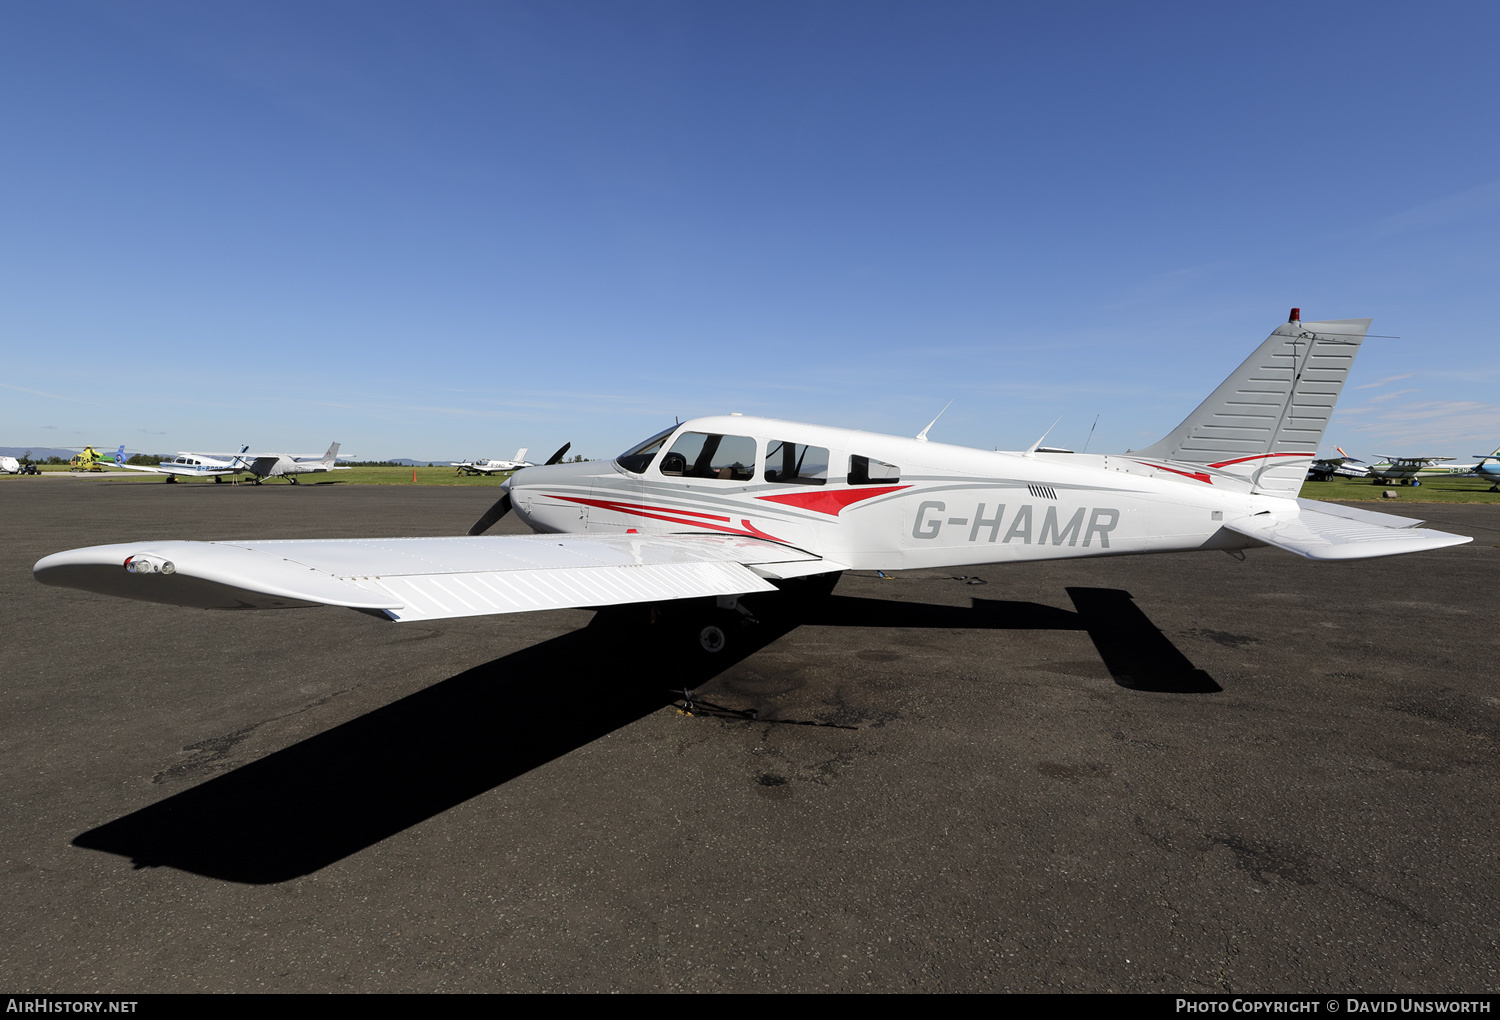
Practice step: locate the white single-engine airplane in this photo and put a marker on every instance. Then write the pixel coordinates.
(717, 508)
(491, 467)
(289, 466)
(1404, 470)
(191, 465)
(1487, 468)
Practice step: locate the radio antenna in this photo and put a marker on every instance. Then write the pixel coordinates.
(1090, 439)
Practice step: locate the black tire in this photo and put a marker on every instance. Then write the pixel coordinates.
(712, 639)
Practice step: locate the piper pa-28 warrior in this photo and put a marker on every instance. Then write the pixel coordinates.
(718, 508)
(191, 465)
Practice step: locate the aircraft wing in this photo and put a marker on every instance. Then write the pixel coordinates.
(173, 469)
(1332, 532)
(1415, 461)
(431, 578)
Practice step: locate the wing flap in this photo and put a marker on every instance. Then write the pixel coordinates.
(1323, 536)
(483, 593)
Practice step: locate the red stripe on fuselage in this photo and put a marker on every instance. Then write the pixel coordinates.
(612, 504)
(1198, 475)
(830, 501)
(1259, 456)
(663, 514)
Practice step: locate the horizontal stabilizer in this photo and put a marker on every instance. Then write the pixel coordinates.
(429, 578)
(1325, 536)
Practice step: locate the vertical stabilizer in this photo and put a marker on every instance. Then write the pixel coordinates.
(332, 455)
(1264, 423)
(520, 457)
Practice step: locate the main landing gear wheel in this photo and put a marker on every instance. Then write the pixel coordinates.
(712, 639)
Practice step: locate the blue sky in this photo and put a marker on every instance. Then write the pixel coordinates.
(448, 229)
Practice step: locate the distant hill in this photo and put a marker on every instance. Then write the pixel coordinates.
(40, 452)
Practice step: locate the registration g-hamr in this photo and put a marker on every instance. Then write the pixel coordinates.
(720, 507)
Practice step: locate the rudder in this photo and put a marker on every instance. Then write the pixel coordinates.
(1264, 423)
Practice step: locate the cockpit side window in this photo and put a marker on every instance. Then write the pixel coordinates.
(638, 458)
(706, 455)
(869, 471)
(796, 463)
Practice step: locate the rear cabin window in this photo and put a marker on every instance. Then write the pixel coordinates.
(638, 458)
(706, 455)
(869, 471)
(796, 463)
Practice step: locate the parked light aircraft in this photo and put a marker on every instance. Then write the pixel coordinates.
(720, 507)
(278, 465)
(1488, 468)
(191, 465)
(492, 467)
(1404, 470)
(218, 466)
(1342, 466)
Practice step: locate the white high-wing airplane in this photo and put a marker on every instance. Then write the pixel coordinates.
(289, 466)
(1404, 470)
(221, 465)
(726, 506)
(494, 467)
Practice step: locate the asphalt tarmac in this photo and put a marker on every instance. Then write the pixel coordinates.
(1170, 773)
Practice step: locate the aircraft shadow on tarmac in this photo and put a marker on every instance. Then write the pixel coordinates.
(301, 809)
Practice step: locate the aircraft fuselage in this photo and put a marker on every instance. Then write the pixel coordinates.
(927, 505)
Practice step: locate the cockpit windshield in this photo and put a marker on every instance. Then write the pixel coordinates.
(639, 458)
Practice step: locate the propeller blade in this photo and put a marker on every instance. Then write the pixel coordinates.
(559, 454)
(493, 514)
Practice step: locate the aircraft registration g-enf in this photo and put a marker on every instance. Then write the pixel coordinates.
(721, 507)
